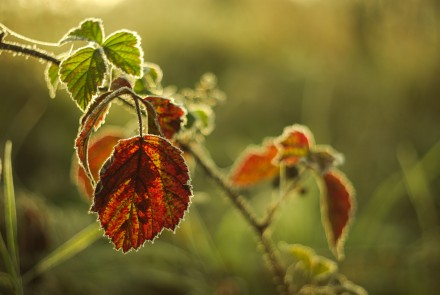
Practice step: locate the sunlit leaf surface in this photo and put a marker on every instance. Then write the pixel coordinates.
(294, 143)
(83, 72)
(89, 30)
(255, 165)
(100, 149)
(123, 50)
(143, 188)
(52, 78)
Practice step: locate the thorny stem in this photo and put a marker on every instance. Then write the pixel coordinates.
(33, 52)
(243, 207)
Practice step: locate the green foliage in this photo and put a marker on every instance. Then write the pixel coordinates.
(90, 30)
(122, 49)
(83, 73)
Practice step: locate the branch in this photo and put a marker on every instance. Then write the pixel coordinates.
(244, 208)
(33, 52)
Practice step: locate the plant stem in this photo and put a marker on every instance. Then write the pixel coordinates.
(260, 228)
(33, 52)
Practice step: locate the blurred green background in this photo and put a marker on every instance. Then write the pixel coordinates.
(363, 75)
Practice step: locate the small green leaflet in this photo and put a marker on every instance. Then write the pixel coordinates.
(123, 50)
(83, 72)
(52, 79)
(90, 30)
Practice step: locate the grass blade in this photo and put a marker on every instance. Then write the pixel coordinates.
(418, 188)
(11, 213)
(70, 248)
(10, 248)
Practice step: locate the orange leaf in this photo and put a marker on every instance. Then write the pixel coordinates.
(169, 115)
(91, 119)
(143, 188)
(337, 209)
(294, 144)
(255, 165)
(98, 152)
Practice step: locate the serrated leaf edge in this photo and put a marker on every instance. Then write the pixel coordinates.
(131, 250)
(97, 86)
(66, 38)
(137, 45)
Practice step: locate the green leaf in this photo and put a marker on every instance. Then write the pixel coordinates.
(201, 118)
(83, 72)
(150, 81)
(90, 30)
(9, 250)
(52, 78)
(123, 50)
(315, 265)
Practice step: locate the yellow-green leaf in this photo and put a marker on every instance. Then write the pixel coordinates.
(83, 72)
(90, 30)
(123, 50)
(52, 78)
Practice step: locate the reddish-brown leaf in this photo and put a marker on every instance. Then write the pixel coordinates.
(169, 115)
(100, 149)
(294, 144)
(337, 207)
(255, 165)
(89, 121)
(143, 188)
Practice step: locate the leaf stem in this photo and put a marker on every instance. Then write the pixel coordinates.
(260, 228)
(139, 114)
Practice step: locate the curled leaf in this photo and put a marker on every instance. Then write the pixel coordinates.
(91, 119)
(52, 78)
(100, 149)
(169, 115)
(294, 144)
(255, 165)
(83, 72)
(143, 188)
(337, 209)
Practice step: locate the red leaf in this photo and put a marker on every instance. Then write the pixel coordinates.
(255, 165)
(170, 115)
(337, 209)
(143, 188)
(294, 144)
(89, 121)
(98, 152)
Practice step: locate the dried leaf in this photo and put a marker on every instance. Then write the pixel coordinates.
(100, 149)
(170, 116)
(89, 121)
(143, 188)
(255, 165)
(337, 209)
